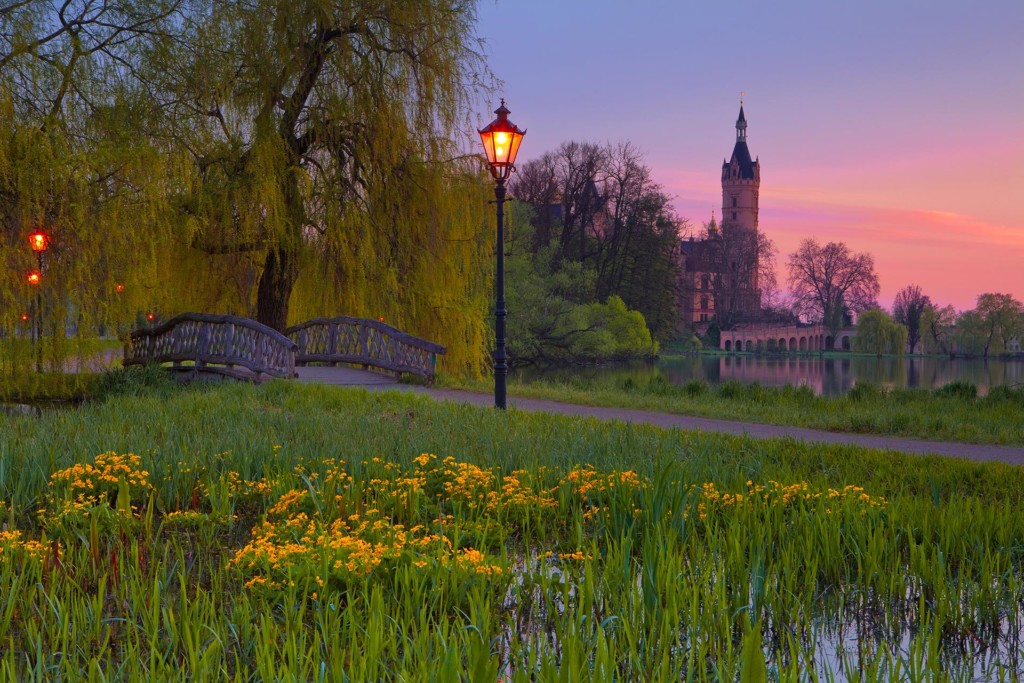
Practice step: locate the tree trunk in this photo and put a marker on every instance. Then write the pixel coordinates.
(275, 288)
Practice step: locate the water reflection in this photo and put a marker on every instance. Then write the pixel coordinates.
(827, 376)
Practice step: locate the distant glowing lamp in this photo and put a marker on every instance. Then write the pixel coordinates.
(39, 241)
(501, 139)
(150, 317)
(381, 318)
(24, 317)
(118, 288)
(34, 278)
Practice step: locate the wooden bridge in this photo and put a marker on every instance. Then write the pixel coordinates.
(199, 344)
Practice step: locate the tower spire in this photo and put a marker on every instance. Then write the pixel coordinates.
(741, 123)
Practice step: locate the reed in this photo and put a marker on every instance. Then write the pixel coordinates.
(314, 533)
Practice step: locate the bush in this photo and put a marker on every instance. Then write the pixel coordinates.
(731, 389)
(133, 381)
(961, 390)
(1005, 393)
(865, 391)
(695, 387)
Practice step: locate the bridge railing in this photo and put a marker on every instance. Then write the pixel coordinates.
(365, 342)
(204, 344)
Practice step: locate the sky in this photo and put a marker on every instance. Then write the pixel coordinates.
(894, 126)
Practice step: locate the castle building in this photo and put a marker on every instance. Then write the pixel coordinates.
(719, 269)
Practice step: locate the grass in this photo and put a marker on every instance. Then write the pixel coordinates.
(302, 532)
(951, 413)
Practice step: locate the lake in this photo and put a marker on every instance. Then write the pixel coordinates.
(826, 376)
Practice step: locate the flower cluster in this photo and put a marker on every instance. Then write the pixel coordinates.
(105, 476)
(112, 488)
(589, 484)
(15, 549)
(773, 493)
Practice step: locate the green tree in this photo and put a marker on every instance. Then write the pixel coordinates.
(224, 154)
(551, 318)
(310, 124)
(879, 334)
(939, 328)
(69, 163)
(1001, 319)
(601, 207)
(970, 338)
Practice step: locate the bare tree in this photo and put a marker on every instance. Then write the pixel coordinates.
(828, 282)
(907, 309)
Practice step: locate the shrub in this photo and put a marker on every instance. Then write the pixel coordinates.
(731, 389)
(133, 381)
(1005, 393)
(961, 390)
(695, 387)
(865, 391)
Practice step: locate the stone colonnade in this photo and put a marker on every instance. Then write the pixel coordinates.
(785, 338)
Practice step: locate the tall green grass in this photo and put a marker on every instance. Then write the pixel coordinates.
(705, 570)
(951, 413)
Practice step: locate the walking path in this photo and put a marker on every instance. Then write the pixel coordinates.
(1013, 455)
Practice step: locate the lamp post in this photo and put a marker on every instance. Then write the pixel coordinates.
(39, 241)
(501, 140)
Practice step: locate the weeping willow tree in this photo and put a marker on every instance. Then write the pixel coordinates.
(70, 166)
(266, 158)
(324, 174)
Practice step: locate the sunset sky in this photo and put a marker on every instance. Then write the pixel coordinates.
(896, 127)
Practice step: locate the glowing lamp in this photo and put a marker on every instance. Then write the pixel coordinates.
(24, 317)
(381, 318)
(501, 139)
(39, 241)
(35, 277)
(150, 316)
(118, 288)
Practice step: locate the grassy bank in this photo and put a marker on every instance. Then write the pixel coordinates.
(953, 413)
(291, 531)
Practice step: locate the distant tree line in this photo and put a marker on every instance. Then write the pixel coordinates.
(995, 326)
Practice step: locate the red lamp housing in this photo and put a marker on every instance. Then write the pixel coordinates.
(39, 241)
(501, 140)
(34, 277)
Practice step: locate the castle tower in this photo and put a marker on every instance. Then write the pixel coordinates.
(741, 180)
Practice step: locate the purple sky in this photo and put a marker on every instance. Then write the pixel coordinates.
(896, 127)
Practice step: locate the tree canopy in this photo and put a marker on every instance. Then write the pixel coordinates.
(600, 206)
(879, 334)
(276, 160)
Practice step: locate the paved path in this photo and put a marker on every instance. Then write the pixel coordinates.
(372, 380)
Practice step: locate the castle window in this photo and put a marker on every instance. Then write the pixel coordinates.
(734, 215)
(734, 204)
(703, 303)
(705, 282)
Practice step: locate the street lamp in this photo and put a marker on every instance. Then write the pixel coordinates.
(39, 241)
(501, 140)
